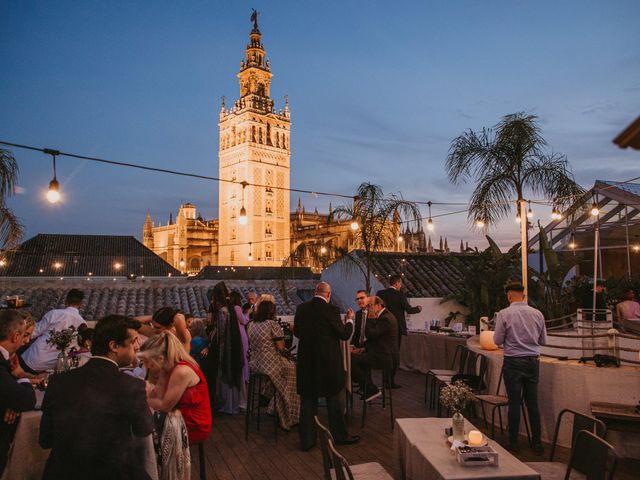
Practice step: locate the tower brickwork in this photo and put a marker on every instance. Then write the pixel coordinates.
(254, 148)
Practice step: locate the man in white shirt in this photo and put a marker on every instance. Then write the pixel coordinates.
(628, 312)
(40, 356)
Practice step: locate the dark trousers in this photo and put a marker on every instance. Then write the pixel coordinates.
(521, 381)
(361, 369)
(307, 425)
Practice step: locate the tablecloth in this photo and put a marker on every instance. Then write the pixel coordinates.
(423, 452)
(424, 351)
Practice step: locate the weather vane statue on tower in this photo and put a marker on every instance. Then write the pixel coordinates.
(254, 18)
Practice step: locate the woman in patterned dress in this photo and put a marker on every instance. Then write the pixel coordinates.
(267, 356)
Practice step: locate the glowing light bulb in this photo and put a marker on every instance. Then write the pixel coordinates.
(636, 248)
(181, 263)
(400, 239)
(250, 257)
(430, 225)
(323, 250)
(518, 218)
(57, 265)
(595, 211)
(354, 225)
(117, 265)
(530, 213)
(2, 262)
(479, 224)
(53, 195)
(242, 219)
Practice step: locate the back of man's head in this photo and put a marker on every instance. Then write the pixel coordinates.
(111, 328)
(74, 297)
(10, 322)
(323, 289)
(514, 290)
(394, 280)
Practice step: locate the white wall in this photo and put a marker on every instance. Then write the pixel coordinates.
(432, 308)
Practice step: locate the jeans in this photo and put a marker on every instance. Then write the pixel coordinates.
(307, 425)
(521, 381)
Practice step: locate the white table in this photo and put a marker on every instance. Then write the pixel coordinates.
(423, 452)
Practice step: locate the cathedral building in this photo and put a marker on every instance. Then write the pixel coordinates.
(255, 224)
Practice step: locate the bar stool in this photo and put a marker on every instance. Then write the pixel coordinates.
(385, 389)
(256, 382)
(202, 467)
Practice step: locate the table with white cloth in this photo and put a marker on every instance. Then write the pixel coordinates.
(423, 351)
(27, 459)
(571, 384)
(423, 452)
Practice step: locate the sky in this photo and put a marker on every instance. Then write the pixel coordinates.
(377, 91)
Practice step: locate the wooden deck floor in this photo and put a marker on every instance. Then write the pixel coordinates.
(230, 457)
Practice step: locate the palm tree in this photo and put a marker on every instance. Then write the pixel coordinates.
(11, 230)
(376, 222)
(506, 162)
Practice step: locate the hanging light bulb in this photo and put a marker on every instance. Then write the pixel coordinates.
(400, 238)
(430, 225)
(354, 226)
(250, 257)
(53, 194)
(181, 263)
(572, 242)
(595, 211)
(518, 217)
(323, 250)
(636, 248)
(555, 214)
(479, 223)
(243, 219)
(529, 212)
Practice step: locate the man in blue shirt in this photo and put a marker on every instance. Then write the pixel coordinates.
(521, 330)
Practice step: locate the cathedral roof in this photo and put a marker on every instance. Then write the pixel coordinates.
(49, 255)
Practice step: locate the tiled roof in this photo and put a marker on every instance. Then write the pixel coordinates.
(79, 255)
(254, 273)
(139, 299)
(423, 274)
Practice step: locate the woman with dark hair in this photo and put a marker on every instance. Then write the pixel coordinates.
(166, 319)
(268, 356)
(243, 319)
(224, 353)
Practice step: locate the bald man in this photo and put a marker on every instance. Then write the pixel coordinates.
(319, 369)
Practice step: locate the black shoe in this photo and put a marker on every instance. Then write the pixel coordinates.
(395, 386)
(348, 440)
(538, 449)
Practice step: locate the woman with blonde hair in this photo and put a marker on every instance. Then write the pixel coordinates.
(182, 394)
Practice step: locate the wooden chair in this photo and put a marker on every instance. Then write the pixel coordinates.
(580, 457)
(385, 389)
(256, 381)
(457, 366)
(363, 471)
(497, 402)
(475, 375)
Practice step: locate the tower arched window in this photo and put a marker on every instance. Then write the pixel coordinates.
(253, 133)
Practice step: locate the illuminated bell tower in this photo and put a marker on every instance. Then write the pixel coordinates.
(254, 148)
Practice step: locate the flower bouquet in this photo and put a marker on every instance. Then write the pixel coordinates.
(457, 397)
(61, 339)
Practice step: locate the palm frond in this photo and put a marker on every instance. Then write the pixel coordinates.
(11, 230)
(8, 173)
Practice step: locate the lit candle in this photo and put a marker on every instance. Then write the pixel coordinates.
(475, 438)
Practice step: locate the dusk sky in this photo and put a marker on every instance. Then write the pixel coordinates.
(377, 91)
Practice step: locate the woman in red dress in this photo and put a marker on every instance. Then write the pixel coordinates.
(180, 386)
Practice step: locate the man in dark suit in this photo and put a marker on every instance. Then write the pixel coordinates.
(16, 395)
(358, 338)
(381, 348)
(319, 368)
(396, 302)
(91, 414)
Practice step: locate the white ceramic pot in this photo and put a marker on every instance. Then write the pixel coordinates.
(486, 340)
